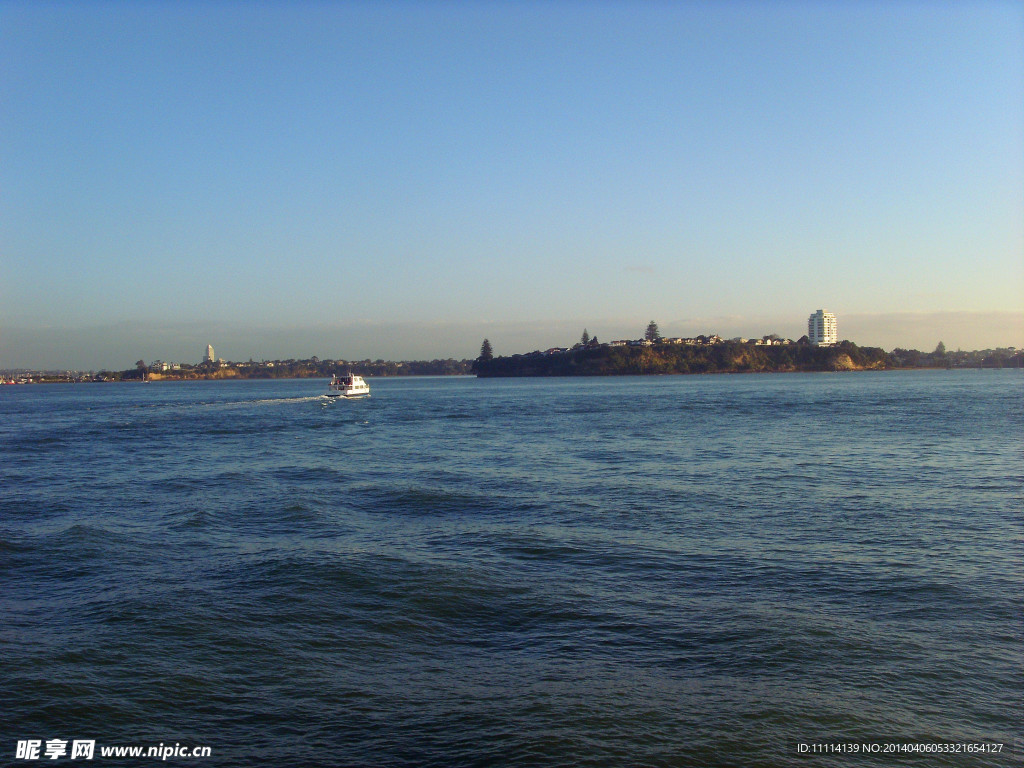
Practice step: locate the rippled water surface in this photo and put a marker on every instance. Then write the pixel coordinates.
(668, 571)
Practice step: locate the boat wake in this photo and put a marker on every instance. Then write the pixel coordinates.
(306, 399)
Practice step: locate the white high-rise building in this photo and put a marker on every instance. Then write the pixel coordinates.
(821, 328)
(209, 353)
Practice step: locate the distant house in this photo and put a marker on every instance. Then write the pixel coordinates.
(620, 343)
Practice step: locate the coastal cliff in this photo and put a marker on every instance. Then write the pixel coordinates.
(727, 357)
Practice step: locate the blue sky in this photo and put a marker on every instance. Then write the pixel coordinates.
(401, 179)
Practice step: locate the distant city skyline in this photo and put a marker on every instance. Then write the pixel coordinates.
(185, 343)
(399, 180)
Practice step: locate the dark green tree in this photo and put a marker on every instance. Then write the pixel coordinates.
(585, 338)
(486, 352)
(652, 333)
(940, 350)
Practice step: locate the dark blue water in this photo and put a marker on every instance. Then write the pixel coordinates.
(669, 571)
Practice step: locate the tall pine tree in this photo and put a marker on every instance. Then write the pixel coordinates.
(486, 352)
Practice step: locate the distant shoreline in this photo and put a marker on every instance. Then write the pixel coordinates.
(169, 380)
(313, 368)
(591, 360)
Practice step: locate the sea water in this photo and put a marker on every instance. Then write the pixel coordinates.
(721, 570)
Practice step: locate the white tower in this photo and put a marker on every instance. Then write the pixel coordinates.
(209, 353)
(821, 328)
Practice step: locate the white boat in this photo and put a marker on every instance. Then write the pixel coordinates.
(347, 386)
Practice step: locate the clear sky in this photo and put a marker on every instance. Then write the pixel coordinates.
(401, 179)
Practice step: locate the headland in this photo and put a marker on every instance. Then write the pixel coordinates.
(731, 357)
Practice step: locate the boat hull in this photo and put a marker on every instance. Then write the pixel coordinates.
(362, 393)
